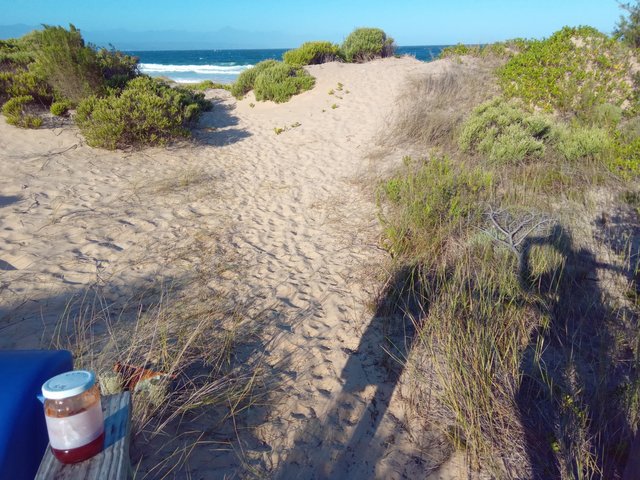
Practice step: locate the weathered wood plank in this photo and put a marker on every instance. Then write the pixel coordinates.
(113, 462)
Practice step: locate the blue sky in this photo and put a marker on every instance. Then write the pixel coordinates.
(284, 23)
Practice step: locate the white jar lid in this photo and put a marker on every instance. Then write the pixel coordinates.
(68, 384)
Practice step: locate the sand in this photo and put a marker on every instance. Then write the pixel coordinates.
(290, 206)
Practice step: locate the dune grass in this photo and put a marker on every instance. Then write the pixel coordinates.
(519, 339)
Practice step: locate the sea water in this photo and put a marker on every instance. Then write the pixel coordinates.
(224, 66)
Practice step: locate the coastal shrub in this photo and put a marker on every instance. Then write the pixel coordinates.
(60, 107)
(15, 53)
(281, 81)
(365, 44)
(504, 133)
(16, 113)
(579, 143)
(573, 71)
(146, 112)
(460, 50)
(116, 67)
(504, 49)
(207, 85)
(69, 66)
(313, 53)
(244, 83)
(628, 28)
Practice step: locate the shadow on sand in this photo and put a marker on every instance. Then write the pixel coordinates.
(349, 442)
(217, 127)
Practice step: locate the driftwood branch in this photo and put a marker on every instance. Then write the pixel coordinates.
(511, 232)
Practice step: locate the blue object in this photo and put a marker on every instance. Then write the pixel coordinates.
(23, 431)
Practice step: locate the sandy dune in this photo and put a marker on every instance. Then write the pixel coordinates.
(288, 205)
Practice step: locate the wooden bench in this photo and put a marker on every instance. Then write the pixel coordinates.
(113, 462)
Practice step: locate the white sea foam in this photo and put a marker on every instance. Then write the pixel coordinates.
(201, 69)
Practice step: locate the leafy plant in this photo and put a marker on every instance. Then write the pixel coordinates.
(69, 66)
(15, 112)
(628, 28)
(365, 44)
(146, 112)
(504, 133)
(280, 81)
(246, 80)
(313, 53)
(60, 107)
(573, 71)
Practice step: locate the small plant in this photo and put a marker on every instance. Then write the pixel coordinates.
(339, 87)
(332, 92)
(296, 125)
(279, 130)
(60, 107)
(146, 112)
(365, 44)
(252, 105)
(15, 112)
(313, 53)
(208, 85)
(334, 106)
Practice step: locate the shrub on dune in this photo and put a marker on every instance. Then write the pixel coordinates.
(15, 110)
(273, 80)
(504, 133)
(146, 112)
(365, 44)
(313, 53)
(281, 81)
(244, 83)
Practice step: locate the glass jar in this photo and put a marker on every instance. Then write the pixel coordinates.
(73, 413)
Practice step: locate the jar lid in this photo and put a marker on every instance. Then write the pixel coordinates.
(68, 384)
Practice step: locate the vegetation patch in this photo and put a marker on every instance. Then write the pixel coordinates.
(503, 133)
(272, 80)
(364, 44)
(15, 110)
(60, 108)
(572, 72)
(313, 53)
(146, 112)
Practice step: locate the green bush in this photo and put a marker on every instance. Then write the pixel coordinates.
(70, 67)
(244, 83)
(146, 112)
(573, 71)
(280, 82)
(313, 53)
(580, 143)
(505, 133)
(60, 108)
(207, 85)
(628, 28)
(460, 50)
(116, 67)
(365, 44)
(15, 111)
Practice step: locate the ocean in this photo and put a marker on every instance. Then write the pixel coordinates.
(224, 66)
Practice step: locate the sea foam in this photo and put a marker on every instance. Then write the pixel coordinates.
(200, 69)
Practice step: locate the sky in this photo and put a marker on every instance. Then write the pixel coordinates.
(285, 23)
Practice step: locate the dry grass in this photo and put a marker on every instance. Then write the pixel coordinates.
(209, 345)
(431, 109)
